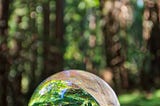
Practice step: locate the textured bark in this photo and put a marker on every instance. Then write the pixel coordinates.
(4, 64)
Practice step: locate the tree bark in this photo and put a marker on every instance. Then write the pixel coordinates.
(151, 29)
(53, 46)
(46, 33)
(59, 21)
(59, 33)
(4, 62)
(114, 22)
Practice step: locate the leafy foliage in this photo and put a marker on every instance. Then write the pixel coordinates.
(83, 36)
(57, 92)
(30, 49)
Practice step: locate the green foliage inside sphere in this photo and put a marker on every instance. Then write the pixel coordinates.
(61, 93)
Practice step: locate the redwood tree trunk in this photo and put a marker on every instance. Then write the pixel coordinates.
(53, 44)
(114, 22)
(4, 64)
(58, 61)
(59, 21)
(110, 30)
(150, 73)
(46, 33)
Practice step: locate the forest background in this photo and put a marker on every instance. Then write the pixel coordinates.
(118, 40)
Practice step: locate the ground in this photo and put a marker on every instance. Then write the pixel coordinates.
(138, 98)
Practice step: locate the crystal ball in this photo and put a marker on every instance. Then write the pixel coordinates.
(74, 88)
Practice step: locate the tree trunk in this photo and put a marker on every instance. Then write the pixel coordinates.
(115, 45)
(59, 21)
(53, 47)
(110, 30)
(59, 32)
(150, 73)
(4, 62)
(46, 33)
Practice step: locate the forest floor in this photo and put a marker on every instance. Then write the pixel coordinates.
(136, 98)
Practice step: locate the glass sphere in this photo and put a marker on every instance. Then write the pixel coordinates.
(74, 88)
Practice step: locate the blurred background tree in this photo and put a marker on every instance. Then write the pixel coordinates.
(4, 58)
(151, 21)
(116, 39)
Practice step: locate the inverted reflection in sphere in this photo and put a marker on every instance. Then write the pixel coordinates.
(74, 88)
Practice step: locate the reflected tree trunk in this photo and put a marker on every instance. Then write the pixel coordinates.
(4, 62)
